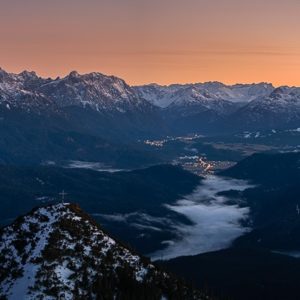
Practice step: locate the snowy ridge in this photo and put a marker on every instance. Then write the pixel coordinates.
(176, 94)
(252, 106)
(100, 92)
(281, 106)
(198, 105)
(58, 252)
(19, 91)
(95, 90)
(283, 98)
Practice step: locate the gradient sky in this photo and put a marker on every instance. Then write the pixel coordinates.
(163, 41)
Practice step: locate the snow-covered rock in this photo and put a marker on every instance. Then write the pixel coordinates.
(279, 109)
(182, 94)
(143, 107)
(19, 91)
(59, 252)
(98, 91)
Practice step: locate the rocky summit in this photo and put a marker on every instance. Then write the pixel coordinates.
(59, 252)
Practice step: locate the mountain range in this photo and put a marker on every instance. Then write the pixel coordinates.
(85, 103)
(111, 98)
(97, 117)
(216, 107)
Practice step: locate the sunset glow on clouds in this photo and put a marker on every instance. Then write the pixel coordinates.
(154, 41)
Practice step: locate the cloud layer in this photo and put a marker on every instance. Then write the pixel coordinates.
(216, 224)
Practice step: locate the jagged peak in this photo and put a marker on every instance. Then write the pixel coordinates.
(28, 74)
(3, 74)
(73, 74)
(281, 89)
(285, 91)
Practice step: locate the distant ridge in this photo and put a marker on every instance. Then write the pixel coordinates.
(107, 106)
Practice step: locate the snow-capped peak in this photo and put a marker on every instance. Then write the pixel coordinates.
(182, 94)
(28, 75)
(95, 90)
(98, 91)
(73, 74)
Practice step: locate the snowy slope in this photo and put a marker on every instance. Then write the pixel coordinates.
(164, 96)
(58, 252)
(92, 104)
(234, 107)
(144, 107)
(19, 91)
(281, 99)
(98, 91)
(95, 90)
(279, 109)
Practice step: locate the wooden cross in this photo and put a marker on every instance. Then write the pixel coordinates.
(63, 194)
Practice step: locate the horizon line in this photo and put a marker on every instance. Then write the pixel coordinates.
(147, 83)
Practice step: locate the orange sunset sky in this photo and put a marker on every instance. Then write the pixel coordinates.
(163, 41)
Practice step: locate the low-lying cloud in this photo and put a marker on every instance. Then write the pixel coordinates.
(216, 223)
(96, 166)
(139, 220)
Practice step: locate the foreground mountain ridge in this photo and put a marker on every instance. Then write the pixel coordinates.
(59, 252)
